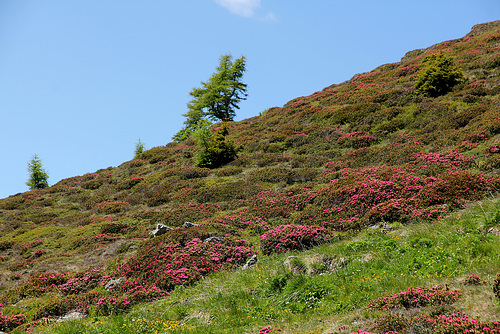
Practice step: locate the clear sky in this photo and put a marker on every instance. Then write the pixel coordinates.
(82, 80)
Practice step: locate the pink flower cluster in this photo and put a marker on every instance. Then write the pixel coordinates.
(167, 265)
(356, 139)
(268, 203)
(473, 280)
(460, 323)
(82, 282)
(293, 237)
(417, 297)
(269, 330)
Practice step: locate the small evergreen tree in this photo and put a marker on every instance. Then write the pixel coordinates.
(439, 76)
(217, 99)
(38, 176)
(139, 147)
(215, 149)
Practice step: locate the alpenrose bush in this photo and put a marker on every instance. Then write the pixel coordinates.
(167, 265)
(458, 323)
(473, 279)
(395, 194)
(83, 282)
(9, 322)
(294, 237)
(417, 297)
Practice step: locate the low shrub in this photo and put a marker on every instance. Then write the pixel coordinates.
(9, 322)
(417, 297)
(111, 207)
(167, 265)
(82, 282)
(271, 175)
(457, 323)
(293, 237)
(473, 280)
(229, 171)
(155, 155)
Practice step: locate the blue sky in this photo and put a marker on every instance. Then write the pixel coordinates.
(82, 80)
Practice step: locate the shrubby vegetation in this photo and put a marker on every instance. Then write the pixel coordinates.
(349, 197)
(439, 76)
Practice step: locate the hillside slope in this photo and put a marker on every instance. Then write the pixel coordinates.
(368, 152)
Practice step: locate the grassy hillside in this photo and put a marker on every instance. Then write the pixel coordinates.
(372, 186)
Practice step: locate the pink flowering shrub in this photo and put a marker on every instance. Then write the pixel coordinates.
(9, 322)
(81, 282)
(245, 221)
(459, 323)
(433, 164)
(131, 292)
(293, 237)
(363, 196)
(473, 279)
(36, 286)
(167, 265)
(356, 140)
(270, 330)
(417, 297)
(270, 204)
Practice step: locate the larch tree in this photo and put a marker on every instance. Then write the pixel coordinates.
(217, 99)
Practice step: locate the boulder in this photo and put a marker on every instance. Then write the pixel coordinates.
(189, 224)
(214, 239)
(74, 315)
(114, 282)
(253, 260)
(160, 229)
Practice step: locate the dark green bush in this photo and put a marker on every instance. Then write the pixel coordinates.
(439, 76)
(217, 151)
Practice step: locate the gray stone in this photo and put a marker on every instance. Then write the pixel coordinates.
(492, 230)
(387, 228)
(114, 282)
(160, 229)
(253, 260)
(214, 239)
(70, 316)
(189, 224)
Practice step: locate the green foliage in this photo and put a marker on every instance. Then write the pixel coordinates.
(439, 76)
(217, 99)
(38, 177)
(139, 147)
(215, 150)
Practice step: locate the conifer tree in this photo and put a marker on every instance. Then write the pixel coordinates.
(217, 99)
(38, 176)
(139, 148)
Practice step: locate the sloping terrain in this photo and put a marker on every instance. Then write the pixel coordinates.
(370, 170)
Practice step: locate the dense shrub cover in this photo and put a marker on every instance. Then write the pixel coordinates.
(417, 297)
(167, 265)
(365, 153)
(293, 237)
